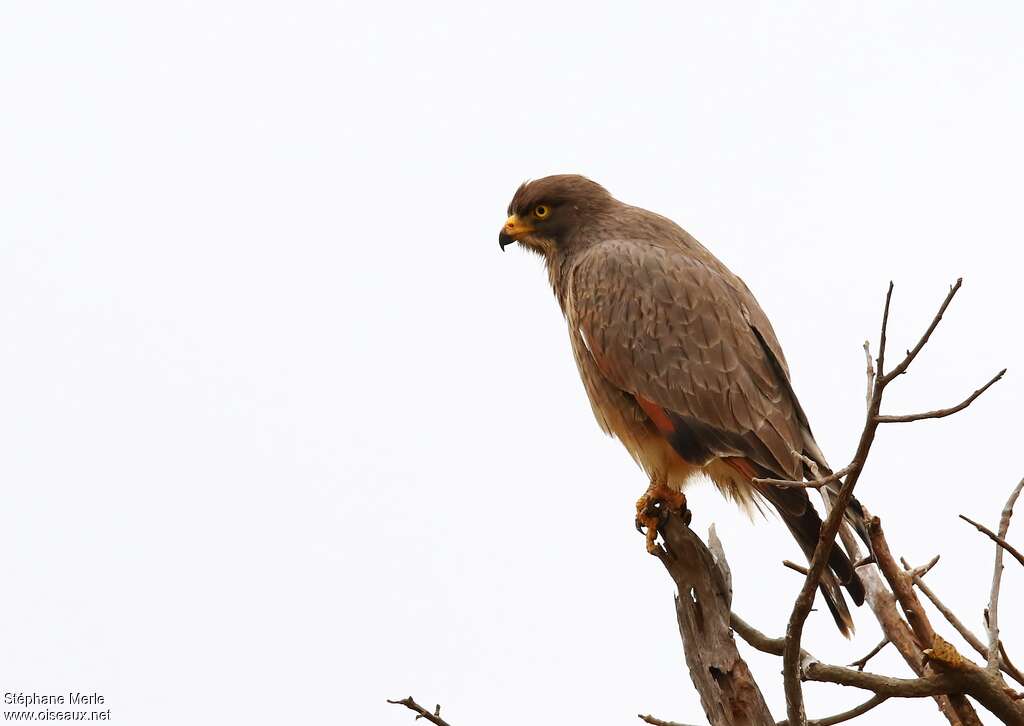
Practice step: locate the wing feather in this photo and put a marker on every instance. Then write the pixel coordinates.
(682, 332)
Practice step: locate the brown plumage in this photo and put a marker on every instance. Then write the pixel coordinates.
(677, 357)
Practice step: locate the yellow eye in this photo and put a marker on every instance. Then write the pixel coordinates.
(542, 211)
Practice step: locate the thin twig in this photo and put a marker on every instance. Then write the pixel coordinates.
(845, 715)
(943, 412)
(874, 651)
(996, 538)
(921, 570)
(880, 362)
(815, 484)
(997, 576)
(912, 354)
(870, 372)
(434, 718)
(794, 566)
(965, 633)
(654, 721)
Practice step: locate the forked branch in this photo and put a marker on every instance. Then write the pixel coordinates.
(434, 718)
(878, 379)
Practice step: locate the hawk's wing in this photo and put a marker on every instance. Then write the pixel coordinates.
(677, 330)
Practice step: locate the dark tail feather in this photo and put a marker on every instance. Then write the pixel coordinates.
(794, 506)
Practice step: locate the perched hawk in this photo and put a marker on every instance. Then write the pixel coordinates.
(678, 359)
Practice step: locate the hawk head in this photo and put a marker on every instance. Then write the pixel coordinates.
(545, 214)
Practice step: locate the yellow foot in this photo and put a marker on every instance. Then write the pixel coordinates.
(649, 508)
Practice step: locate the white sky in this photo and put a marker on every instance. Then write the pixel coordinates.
(284, 435)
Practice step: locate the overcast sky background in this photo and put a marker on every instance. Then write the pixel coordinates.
(284, 434)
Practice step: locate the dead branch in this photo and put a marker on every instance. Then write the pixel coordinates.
(648, 718)
(958, 710)
(997, 576)
(995, 538)
(903, 590)
(727, 689)
(1004, 524)
(933, 685)
(943, 412)
(815, 484)
(870, 373)
(434, 718)
(862, 662)
(972, 639)
(900, 369)
(795, 567)
(900, 583)
(882, 604)
(921, 570)
(867, 560)
(845, 715)
(755, 638)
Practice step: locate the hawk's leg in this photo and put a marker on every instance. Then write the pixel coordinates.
(656, 501)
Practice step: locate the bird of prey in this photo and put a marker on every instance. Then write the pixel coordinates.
(678, 359)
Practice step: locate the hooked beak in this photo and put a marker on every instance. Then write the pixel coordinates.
(514, 229)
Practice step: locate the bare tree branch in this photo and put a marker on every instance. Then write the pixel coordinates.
(902, 588)
(870, 373)
(921, 570)
(648, 718)
(901, 585)
(953, 620)
(754, 637)
(815, 484)
(795, 567)
(860, 663)
(997, 576)
(995, 538)
(728, 692)
(846, 715)
(957, 709)
(943, 412)
(434, 718)
(911, 354)
(932, 685)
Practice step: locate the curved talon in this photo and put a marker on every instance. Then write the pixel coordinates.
(657, 501)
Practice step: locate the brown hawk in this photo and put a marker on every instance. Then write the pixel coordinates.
(677, 357)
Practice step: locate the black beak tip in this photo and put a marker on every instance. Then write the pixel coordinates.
(504, 240)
